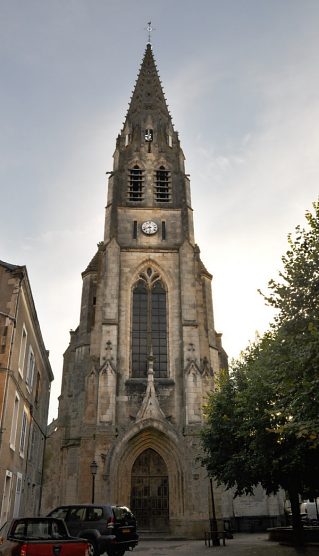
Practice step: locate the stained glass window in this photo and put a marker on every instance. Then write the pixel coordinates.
(149, 325)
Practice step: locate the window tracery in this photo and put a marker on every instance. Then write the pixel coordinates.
(149, 324)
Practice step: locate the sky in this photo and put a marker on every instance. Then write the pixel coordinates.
(241, 78)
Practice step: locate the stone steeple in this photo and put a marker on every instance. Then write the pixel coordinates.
(148, 169)
(139, 365)
(148, 94)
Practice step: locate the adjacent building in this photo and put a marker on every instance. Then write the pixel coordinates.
(25, 377)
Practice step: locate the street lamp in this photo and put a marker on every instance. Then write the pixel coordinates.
(213, 521)
(93, 468)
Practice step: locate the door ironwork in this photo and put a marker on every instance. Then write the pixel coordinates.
(149, 495)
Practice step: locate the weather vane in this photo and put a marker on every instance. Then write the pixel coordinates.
(149, 29)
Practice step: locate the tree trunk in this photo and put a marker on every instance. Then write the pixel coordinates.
(298, 531)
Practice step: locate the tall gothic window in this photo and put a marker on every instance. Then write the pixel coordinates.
(149, 325)
(162, 185)
(135, 184)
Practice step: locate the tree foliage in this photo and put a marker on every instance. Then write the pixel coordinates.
(263, 418)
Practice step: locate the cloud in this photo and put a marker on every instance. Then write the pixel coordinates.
(251, 198)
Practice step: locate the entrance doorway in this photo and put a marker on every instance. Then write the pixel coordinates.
(149, 495)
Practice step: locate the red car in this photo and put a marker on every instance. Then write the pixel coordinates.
(40, 536)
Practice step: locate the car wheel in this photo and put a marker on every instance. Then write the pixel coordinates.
(115, 551)
(93, 551)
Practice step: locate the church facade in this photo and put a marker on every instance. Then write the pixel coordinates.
(145, 354)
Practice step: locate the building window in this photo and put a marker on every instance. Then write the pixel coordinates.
(127, 139)
(135, 185)
(6, 498)
(17, 498)
(3, 334)
(14, 422)
(149, 325)
(30, 369)
(22, 350)
(139, 330)
(23, 432)
(162, 186)
(135, 229)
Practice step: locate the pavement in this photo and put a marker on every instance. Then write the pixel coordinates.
(243, 544)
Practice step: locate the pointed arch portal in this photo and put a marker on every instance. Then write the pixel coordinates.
(146, 471)
(149, 494)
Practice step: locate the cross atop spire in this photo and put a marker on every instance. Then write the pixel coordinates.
(149, 29)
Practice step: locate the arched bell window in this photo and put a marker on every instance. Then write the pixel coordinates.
(149, 325)
(135, 184)
(162, 185)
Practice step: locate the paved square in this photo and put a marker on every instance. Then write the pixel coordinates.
(241, 545)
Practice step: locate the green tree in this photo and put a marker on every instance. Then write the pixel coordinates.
(263, 418)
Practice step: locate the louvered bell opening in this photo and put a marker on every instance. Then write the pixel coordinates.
(162, 186)
(135, 184)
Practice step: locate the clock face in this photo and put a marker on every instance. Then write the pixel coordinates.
(149, 227)
(148, 135)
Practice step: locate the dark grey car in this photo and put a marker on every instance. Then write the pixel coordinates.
(108, 528)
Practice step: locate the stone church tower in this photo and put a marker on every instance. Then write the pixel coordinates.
(145, 353)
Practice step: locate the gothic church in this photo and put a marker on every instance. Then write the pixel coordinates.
(145, 353)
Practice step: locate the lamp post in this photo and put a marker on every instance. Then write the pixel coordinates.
(93, 468)
(213, 522)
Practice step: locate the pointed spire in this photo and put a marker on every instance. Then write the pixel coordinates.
(148, 95)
